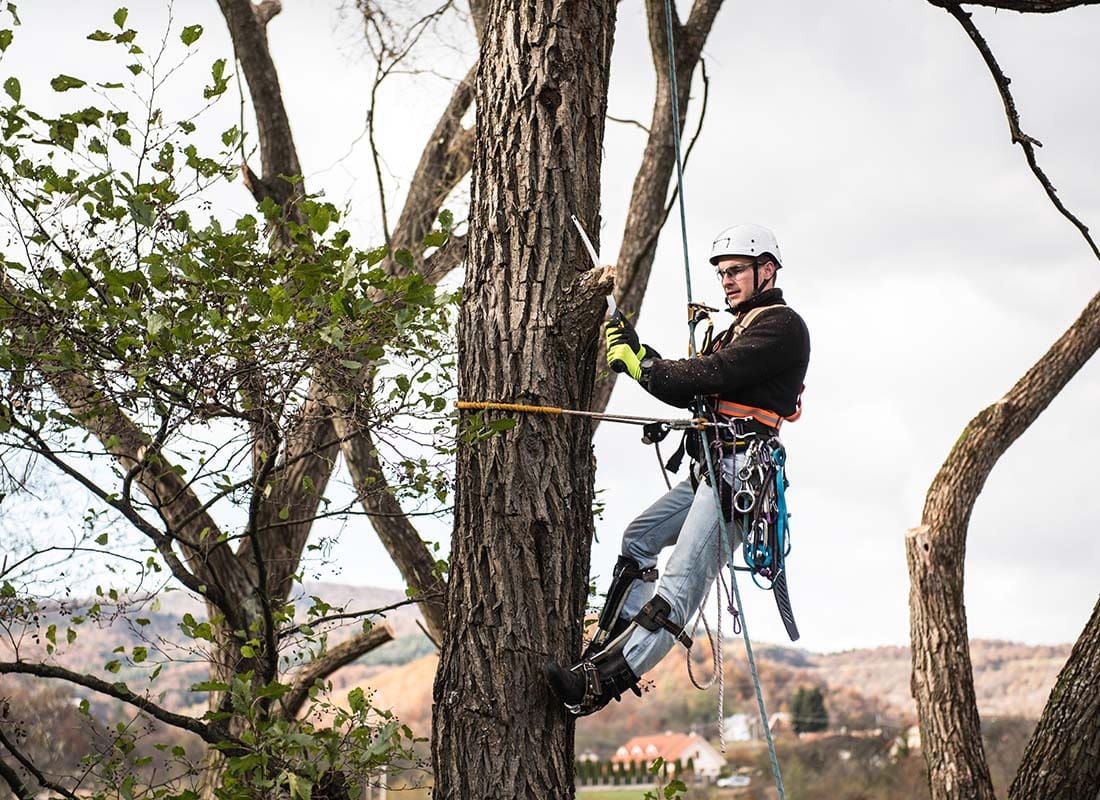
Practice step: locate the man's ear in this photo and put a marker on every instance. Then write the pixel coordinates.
(768, 271)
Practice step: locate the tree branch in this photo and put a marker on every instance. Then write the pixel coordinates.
(247, 25)
(648, 207)
(942, 681)
(1025, 6)
(370, 612)
(119, 691)
(400, 538)
(326, 664)
(444, 162)
(10, 776)
(1027, 143)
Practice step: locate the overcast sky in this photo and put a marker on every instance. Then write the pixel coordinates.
(928, 263)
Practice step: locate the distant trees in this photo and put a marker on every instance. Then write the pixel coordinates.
(808, 713)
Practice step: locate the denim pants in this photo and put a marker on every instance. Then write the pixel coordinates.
(689, 522)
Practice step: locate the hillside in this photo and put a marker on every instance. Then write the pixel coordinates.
(863, 688)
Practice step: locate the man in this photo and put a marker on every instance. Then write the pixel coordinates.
(751, 375)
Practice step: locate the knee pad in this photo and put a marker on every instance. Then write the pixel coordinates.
(654, 617)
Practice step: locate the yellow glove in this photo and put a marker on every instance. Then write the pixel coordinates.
(624, 352)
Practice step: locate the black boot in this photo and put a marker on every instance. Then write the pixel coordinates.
(589, 685)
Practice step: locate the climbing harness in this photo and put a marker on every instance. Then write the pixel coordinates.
(725, 526)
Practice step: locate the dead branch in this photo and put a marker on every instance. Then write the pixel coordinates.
(1026, 6)
(1027, 143)
(119, 691)
(11, 777)
(401, 539)
(324, 665)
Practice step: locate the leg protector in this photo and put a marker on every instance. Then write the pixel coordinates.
(654, 616)
(610, 624)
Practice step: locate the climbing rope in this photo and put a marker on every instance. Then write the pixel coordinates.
(724, 526)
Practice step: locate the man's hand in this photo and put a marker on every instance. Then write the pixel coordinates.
(624, 351)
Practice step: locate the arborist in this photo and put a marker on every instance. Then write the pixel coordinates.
(750, 376)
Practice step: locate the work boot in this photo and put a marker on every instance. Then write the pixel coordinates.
(589, 685)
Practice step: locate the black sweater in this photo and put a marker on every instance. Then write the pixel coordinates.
(763, 367)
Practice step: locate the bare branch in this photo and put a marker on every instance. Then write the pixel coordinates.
(444, 162)
(1026, 142)
(337, 657)
(370, 612)
(248, 28)
(401, 540)
(1027, 6)
(119, 691)
(10, 776)
(633, 122)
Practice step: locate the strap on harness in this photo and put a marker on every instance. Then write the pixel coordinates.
(654, 615)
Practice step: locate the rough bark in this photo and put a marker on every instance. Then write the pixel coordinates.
(1062, 759)
(942, 680)
(523, 520)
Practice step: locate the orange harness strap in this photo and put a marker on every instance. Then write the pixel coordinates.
(728, 408)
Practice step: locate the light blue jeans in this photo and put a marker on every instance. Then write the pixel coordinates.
(689, 522)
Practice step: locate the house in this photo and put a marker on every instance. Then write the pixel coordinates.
(673, 747)
(906, 742)
(741, 727)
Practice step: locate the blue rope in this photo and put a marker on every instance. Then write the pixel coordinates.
(723, 525)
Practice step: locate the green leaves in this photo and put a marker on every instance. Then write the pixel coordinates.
(5, 39)
(13, 89)
(191, 34)
(120, 17)
(221, 82)
(63, 83)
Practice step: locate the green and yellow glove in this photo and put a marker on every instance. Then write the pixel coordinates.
(624, 351)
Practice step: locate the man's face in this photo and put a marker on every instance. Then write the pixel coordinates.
(735, 272)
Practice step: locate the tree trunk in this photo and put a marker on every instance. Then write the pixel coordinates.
(1062, 759)
(527, 333)
(943, 681)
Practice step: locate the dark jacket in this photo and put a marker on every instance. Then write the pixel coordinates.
(763, 367)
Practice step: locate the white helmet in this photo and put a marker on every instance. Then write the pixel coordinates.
(745, 240)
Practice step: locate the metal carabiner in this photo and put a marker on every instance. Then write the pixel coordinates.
(744, 500)
(697, 312)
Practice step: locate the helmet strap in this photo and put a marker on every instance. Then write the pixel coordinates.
(756, 287)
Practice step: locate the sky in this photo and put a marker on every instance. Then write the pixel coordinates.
(930, 267)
